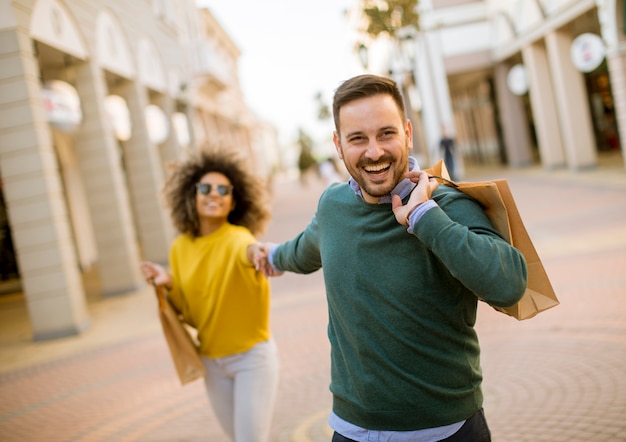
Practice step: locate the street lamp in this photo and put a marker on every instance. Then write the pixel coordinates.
(362, 51)
(407, 43)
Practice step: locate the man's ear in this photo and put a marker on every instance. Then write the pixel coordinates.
(337, 142)
(409, 134)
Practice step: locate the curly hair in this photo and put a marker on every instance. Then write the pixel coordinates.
(249, 191)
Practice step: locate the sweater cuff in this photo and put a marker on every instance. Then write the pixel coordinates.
(270, 257)
(417, 214)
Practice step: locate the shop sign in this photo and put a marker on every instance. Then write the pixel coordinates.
(156, 122)
(587, 52)
(517, 80)
(119, 117)
(62, 105)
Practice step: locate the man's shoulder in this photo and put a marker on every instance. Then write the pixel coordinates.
(448, 197)
(337, 191)
(446, 191)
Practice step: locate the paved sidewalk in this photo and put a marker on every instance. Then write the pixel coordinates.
(557, 377)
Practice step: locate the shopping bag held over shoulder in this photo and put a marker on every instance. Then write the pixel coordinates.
(497, 201)
(183, 349)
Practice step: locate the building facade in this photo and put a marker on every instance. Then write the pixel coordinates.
(522, 81)
(96, 99)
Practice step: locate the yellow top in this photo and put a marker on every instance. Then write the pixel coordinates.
(227, 299)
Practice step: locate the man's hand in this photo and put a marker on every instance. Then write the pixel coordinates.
(260, 253)
(420, 194)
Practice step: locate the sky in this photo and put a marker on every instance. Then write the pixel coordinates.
(290, 50)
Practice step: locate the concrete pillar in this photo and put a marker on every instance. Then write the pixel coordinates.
(432, 82)
(571, 99)
(100, 163)
(429, 112)
(617, 71)
(440, 82)
(34, 195)
(543, 105)
(170, 149)
(145, 172)
(612, 19)
(515, 130)
(77, 200)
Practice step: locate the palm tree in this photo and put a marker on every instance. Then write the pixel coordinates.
(388, 16)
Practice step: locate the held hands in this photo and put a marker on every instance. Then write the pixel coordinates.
(420, 194)
(155, 274)
(260, 253)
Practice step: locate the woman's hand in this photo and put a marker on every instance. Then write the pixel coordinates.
(156, 274)
(258, 254)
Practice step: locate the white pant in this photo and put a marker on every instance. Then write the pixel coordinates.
(242, 390)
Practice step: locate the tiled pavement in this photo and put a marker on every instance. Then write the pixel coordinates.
(558, 377)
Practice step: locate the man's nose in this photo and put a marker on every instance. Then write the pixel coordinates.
(374, 150)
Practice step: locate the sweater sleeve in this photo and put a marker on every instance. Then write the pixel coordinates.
(301, 254)
(459, 233)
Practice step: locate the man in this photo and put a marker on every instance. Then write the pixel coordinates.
(404, 266)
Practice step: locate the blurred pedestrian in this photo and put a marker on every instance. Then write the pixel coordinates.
(447, 148)
(405, 262)
(329, 171)
(218, 205)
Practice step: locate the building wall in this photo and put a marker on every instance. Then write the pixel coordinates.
(481, 41)
(88, 200)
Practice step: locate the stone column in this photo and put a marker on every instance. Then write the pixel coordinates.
(34, 195)
(429, 113)
(170, 148)
(145, 171)
(571, 100)
(432, 82)
(100, 163)
(543, 106)
(515, 130)
(617, 71)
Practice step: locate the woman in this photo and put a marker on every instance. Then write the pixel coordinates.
(218, 206)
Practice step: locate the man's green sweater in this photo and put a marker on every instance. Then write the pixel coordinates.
(402, 307)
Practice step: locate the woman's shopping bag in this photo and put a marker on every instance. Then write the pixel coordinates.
(497, 201)
(183, 348)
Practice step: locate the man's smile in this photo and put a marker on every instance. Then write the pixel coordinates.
(377, 168)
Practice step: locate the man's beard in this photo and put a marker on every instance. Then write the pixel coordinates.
(378, 190)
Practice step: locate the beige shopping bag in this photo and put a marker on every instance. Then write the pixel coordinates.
(183, 349)
(497, 201)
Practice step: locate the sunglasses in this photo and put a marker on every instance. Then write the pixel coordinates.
(222, 189)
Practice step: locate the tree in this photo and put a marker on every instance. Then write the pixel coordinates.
(387, 16)
(305, 159)
(323, 111)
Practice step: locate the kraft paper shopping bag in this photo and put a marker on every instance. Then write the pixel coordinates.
(183, 349)
(497, 201)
